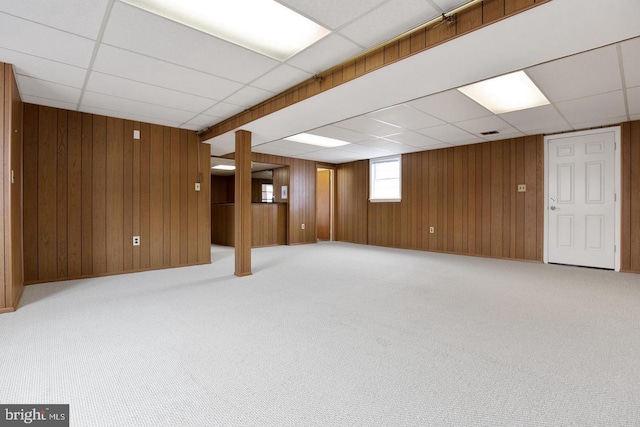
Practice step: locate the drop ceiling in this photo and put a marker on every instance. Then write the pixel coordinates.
(107, 57)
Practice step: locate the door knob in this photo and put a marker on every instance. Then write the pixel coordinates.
(553, 208)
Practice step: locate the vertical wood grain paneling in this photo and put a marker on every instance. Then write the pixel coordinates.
(114, 195)
(630, 247)
(91, 187)
(99, 195)
(47, 192)
(468, 194)
(74, 195)
(204, 204)
(4, 139)
(31, 234)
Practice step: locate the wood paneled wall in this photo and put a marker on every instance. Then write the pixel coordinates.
(11, 182)
(419, 40)
(90, 187)
(630, 198)
(468, 194)
(268, 224)
(222, 189)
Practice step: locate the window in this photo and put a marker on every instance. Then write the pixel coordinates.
(267, 193)
(385, 174)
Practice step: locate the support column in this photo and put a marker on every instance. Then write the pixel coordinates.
(242, 214)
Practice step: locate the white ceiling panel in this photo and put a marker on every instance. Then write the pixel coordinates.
(448, 134)
(333, 14)
(201, 121)
(450, 106)
(249, 96)
(48, 102)
(342, 134)
(45, 42)
(389, 20)
(285, 148)
(387, 145)
(80, 17)
(534, 119)
(633, 99)
(223, 109)
(486, 124)
(129, 89)
(631, 62)
(107, 102)
(601, 122)
(44, 69)
(128, 116)
(329, 156)
(364, 152)
(368, 126)
(48, 90)
(448, 5)
(405, 117)
(143, 32)
(578, 76)
(413, 139)
(332, 49)
(118, 62)
(593, 108)
(281, 79)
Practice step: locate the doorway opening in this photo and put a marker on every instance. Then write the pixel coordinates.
(324, 204)
(582, 203)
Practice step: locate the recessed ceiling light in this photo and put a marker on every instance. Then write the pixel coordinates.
(224, 167)
(321, 141)
(503, 94)
(264, 26)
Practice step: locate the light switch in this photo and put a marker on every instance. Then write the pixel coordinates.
(136, 134)
(197, 186)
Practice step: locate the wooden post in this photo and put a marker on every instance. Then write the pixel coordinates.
(242, 208)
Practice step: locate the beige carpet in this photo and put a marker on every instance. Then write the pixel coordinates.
(332, 334)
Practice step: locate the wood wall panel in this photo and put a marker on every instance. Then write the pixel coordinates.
(11, 182)
(91, 187)
(468, 194)
(630, 203)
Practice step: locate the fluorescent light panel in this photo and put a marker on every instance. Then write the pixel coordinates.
(264, 26)
(511, 92)
(224, 167)
(321, 141)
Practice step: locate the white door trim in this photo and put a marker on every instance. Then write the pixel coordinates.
(618, 174)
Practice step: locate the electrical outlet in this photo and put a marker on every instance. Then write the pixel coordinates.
(136, 240)
(522, 188)
(197, 186)
(302, 226)
(432, 230)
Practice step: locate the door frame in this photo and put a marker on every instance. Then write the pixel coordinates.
(617, 178)
(332, 196)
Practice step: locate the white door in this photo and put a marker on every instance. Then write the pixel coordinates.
(581, 198)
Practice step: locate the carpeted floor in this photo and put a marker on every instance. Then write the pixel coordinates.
(332, 334)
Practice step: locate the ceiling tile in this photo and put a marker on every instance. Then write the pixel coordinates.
(118, 62)
(593, 108)
(535, 119)
(390, 147)
(128, 116)
(48, 90)
(486, 124)
(330, 156)
(49, 102)
(577, 76)
(85, 20)
(224, 110)
(631, 61)
(126, 106)
(44, 69)
(405, 117)
(45, 42)
(201, 121)
(249, 96)
(368, 126)
(363, 151)
(129, 89)
(451, 106)
(281, 79)
(413, 139)
(613, 121)
(333, 13)
(282, 147)
(324, 54)
(389, 20)
(448, 134)
(143, 32)
(342, 134)
(633, 98)
(448, 5)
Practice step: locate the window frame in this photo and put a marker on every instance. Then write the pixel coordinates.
(372, 163)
